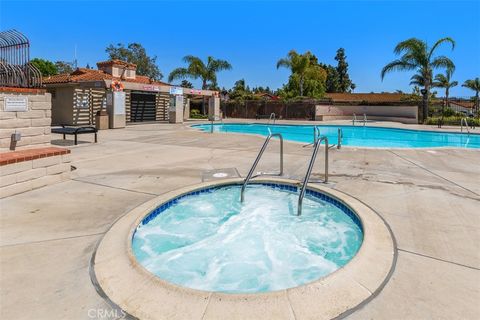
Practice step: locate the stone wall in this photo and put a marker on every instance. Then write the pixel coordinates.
(30, 169)
(33, 124)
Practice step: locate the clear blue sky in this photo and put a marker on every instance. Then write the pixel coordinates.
(253, 35)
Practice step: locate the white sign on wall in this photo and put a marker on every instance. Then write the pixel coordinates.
(119, 102)
(16, 104)
(176, 91)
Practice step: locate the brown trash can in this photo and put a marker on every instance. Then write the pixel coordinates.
(101, 120)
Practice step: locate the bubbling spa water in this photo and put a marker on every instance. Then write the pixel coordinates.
(210, 241)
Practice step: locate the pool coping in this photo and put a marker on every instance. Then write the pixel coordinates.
(141, 294)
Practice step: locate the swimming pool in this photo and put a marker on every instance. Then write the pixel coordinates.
(359, 136)
(209, 240)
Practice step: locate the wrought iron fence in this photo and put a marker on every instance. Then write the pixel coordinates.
(254, 109)
(16, 70)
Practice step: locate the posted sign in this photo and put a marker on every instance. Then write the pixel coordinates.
(16, 104)
(177, 91)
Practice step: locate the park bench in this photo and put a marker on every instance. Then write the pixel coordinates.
(75, 131)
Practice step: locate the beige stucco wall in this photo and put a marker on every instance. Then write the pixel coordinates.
(34, 124)
(405, 114)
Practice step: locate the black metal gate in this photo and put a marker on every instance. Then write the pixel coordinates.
(142, 107)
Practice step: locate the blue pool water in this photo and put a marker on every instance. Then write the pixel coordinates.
(359, 136)
(210, 241)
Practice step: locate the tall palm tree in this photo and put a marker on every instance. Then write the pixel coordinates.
(444, 81)
(474, 84)
(417, 55)
(298, 64)
(197, 69)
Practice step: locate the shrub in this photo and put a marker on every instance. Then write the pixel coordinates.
(449, 112)
(195, 114)
(453, 121)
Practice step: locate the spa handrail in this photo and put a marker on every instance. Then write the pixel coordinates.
(318, 142)
(259, 156)
(215, 118)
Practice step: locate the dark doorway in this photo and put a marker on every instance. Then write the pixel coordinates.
(143, 107)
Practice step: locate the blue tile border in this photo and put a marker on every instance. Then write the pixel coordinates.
(311, 193)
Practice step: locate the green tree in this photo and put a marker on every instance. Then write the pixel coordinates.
(444, 81)
(197, 69)
(331, 82)
(417, 55)
(353, 86)
(186, 84)
(47, 68)
(240, 91)
(474, 84)
(136, 53)
(344, 82)
(64, 67)
(298, 65)
(313, 83)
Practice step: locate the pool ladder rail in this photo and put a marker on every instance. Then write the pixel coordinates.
(316, 147)
(355, 119)
(255, 163)
(272, 116)
(212, 120)
(464, 122)
(316, 134)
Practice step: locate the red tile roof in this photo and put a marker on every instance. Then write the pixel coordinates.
(463, 103)
(266, 95)
(370, 97)
(82, 75)
(116, 62)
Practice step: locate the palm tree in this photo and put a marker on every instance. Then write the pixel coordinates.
(197, 69)
(417, 55)
(444, 81)
(474, 85)
(298, 64)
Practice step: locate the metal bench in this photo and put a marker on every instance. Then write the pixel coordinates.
(75, 131)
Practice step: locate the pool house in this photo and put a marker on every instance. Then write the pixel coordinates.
(78, 96)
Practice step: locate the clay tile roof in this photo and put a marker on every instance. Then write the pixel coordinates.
(79, 75)
(116, 62)
(370, 97)
(83, 74)
(463, 103)
(266, 95)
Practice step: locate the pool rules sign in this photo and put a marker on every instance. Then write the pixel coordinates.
(16, 104)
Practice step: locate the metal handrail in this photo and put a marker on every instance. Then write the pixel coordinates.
(270, 118)
(215, 118)
(356, 120)
(262, 150)
(316, 133)
(309, 170)
(339, 138)
(464, 121)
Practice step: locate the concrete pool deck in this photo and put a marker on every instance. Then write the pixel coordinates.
(429, 197)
